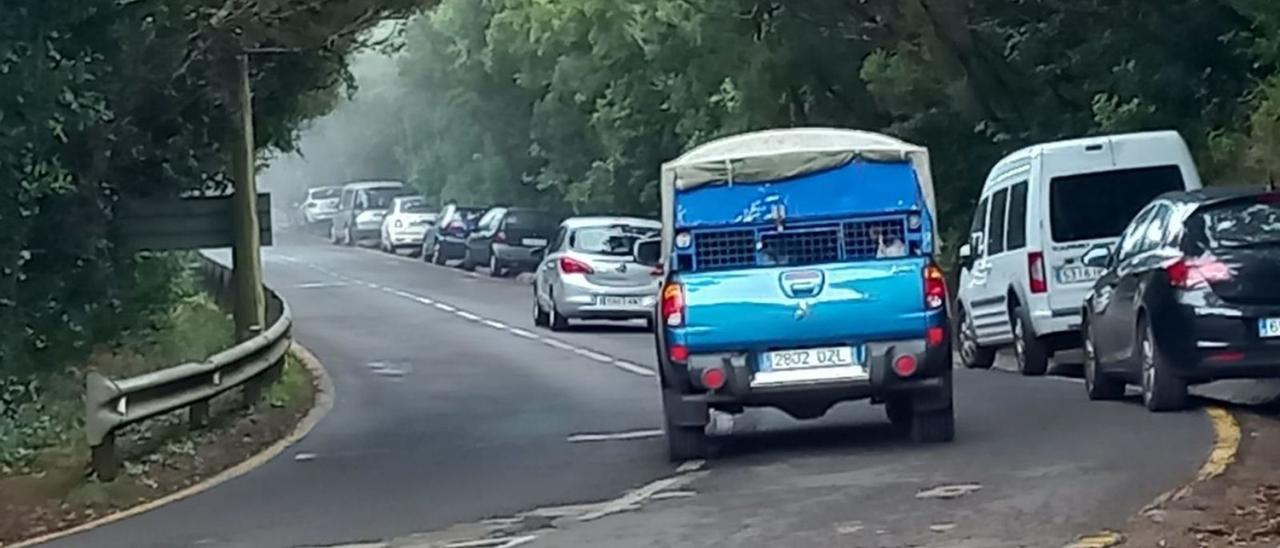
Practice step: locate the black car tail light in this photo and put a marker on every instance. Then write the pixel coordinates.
(1199, 272)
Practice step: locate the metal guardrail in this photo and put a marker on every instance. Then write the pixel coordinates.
(111, 404)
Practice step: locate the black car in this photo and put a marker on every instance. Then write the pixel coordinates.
(447, 240)
(509, 238)
(1188, 296)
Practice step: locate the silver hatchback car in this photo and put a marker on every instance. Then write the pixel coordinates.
(588, 273)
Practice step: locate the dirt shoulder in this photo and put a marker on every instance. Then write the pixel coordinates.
(1240, 508)
(160, 458)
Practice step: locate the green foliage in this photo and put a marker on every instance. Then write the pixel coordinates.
(580, 101)
(103, 99)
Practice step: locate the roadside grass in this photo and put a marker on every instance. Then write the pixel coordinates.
(44, 479)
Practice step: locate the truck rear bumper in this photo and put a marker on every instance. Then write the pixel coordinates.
(811, 396)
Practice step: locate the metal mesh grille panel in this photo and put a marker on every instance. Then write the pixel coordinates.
(862, 239)
(725, 249)
(802, 246)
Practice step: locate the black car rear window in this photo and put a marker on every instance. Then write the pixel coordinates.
(532, 220)
(1100, 205)
(1238, 223)
(618, 240)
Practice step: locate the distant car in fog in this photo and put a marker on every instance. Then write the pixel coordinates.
(588, 272)
(361, 209)
(321, 204)
(509, 238)
(406, 224)
(447, 239)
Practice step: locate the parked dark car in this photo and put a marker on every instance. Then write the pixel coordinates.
(1189, 295)
(509, 238)
(447, 240)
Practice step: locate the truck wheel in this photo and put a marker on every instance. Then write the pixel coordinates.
(683, 442)
(1033, 357)
(934, 426)
(1161, 389)
(899, 411)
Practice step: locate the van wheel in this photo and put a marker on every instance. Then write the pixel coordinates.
(1098, 385)
(972, 355)
(1033, 357)
(1161, 389)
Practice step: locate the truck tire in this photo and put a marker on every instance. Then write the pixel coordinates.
(1033, 356)
(934, 426)
(683, 442)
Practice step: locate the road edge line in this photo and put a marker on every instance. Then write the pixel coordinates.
(1226, 446)
(320, 407)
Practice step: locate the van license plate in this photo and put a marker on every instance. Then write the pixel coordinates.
(1269, 327)
(1078, 274)
(810, 357)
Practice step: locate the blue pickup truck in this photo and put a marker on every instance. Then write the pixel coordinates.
(798, 273)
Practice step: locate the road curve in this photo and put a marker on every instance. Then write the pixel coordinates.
(452, 408)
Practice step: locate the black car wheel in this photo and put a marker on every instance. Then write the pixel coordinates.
(1098, 385)
(972, 355)
(1033, 357)
(495, 267)
(1161, 389)
(437, 254)
(467, 264)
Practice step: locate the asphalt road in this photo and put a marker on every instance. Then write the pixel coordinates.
(451, 408)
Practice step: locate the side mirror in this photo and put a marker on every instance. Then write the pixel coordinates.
(648, 252)
(1098, 256)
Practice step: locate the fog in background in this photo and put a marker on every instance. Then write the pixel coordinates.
(359, 140)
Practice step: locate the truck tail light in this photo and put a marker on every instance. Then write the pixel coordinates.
(935, 287)
(673, 304)
(569, 265)
(1191, 273)
(1035, 272)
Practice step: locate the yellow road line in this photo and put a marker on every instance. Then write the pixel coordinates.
(1226, 443)
(1104, 539)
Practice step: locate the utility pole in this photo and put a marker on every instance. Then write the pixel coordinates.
(250, 303)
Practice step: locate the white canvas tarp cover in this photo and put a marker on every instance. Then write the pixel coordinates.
(775, 155)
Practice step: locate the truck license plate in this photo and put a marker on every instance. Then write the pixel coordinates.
(810, 357)
(1269, 327)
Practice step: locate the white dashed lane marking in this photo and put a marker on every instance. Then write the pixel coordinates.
(593, 355)
(615, 436)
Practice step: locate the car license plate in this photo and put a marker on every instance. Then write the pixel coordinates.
(533, 242)
(1078, 274)
(622, 301)
(834, 356)
(1269, 327)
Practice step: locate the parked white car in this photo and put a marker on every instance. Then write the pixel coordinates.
(588, 272)
(1022, 280)
(321, 204)
(406, 224)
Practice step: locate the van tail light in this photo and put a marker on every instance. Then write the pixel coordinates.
(1035, 272)
(935, 287)
(1192, 273)
(569, 265)
(673, 304)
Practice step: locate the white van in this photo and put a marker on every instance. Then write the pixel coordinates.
(1021, 278)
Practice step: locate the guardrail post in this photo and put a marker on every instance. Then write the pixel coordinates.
(253, 386)
(198, 415)
(104, 461)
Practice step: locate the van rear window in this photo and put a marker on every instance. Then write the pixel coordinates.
(1100, 205)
